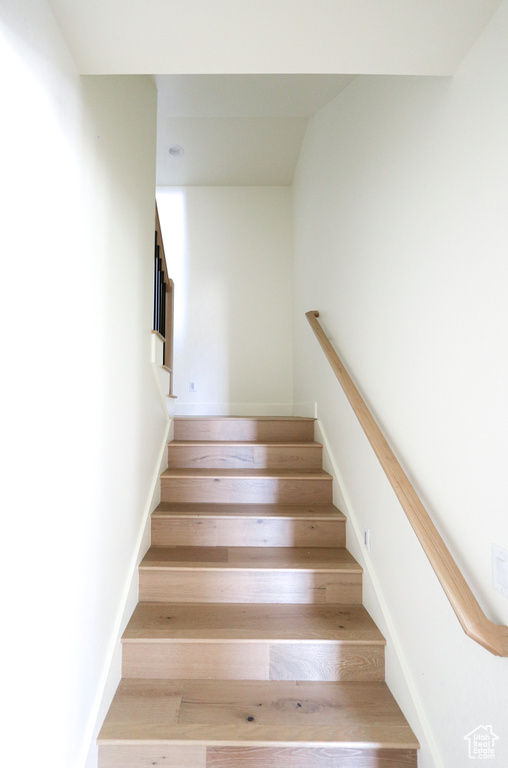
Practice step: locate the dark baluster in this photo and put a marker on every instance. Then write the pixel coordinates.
(163, 318)
(156, 286)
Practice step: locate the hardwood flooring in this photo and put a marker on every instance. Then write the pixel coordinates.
(250, 647)
(255, 525)
(257, 713)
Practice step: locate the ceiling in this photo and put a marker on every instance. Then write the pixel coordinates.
(236, 130)
(239, 79)
(383, 37)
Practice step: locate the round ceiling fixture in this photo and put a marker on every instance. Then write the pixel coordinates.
(176, 150)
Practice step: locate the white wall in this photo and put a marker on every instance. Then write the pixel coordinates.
(401, 240)
(229, 252)
(82, 421)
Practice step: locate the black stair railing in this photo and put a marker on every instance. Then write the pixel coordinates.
(159, 293)
(163, 297)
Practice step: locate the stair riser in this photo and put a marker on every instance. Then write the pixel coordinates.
(201, 756)
(245, 457)
(260, 660)
(244, 429)
(247, 532)
(150, 755)
(226, 490)
(216, 586)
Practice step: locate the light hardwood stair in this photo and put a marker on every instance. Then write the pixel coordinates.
(250, 646)
(250, 574)
(247, 486)
(272, 429)
(252, 641)
(241, 525)
(231, 454)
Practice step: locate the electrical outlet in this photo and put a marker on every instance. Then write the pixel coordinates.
(500, 569)
(192, 386)
(366, 539)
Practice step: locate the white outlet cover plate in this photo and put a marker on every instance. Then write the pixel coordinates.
(500, 569)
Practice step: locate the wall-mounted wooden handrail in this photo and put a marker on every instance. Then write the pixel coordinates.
(493, 637)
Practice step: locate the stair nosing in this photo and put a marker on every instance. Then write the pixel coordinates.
(251, 640)
(257, 516)
(283, 511)
(244, 418)
(248, 443)
(345, 560)
(181, 566)
(182, 473)
(276, 743)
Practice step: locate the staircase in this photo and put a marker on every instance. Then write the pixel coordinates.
(250, 647)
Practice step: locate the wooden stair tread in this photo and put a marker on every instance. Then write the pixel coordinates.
(272, 474)
(248, 621)
(238, 712)
(205, 509)
(241, 443)
(255, 655)
(251, 558)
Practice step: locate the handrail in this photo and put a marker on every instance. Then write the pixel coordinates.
(493, 637)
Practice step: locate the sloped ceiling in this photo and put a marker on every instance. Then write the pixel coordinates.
(236, 130)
